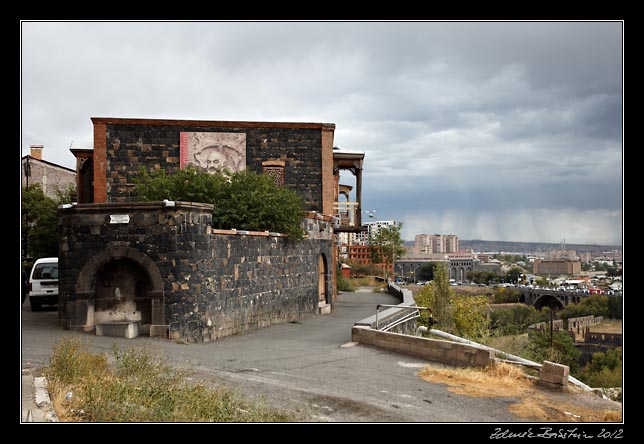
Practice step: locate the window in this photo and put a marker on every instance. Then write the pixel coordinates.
(275, 169)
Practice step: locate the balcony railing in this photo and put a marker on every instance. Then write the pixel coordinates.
(347, 212)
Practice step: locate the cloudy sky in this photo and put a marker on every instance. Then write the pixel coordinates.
(497, 131)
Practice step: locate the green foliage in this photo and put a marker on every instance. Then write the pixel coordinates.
(513, 274)
(596, 305)
(436, 296)
(563, 350)
(482, 277)
(505, 295)
(140, 387)
(39, 221)
(469, 316)
(343, 284)
(615, 307)
(359, 270)
(387, 245)
(243, 200)
(513, 320)
(605, 369)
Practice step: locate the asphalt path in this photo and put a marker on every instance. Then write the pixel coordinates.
(310, 368)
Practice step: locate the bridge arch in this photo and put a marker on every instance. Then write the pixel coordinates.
(547, 300)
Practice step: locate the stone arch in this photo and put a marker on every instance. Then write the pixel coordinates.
(151, 288)
(86, 280)
(548, 301)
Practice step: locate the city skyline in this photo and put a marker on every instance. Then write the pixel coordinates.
(493, 130)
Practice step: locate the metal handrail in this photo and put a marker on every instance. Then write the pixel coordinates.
(404, 319)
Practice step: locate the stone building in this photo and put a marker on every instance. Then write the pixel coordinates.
(159, 268)
(52, 177)
(556, 267)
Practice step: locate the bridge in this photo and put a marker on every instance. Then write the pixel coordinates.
(557, 299)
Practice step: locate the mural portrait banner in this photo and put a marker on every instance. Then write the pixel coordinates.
(213, 151)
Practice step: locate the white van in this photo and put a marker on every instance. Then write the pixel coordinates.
(43, 283)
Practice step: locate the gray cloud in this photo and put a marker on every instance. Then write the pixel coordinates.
(464, 117)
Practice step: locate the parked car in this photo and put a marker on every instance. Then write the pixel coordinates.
(43, 283)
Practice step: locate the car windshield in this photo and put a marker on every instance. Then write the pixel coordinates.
(46, 271)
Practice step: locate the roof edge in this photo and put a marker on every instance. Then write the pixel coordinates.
(213, 123)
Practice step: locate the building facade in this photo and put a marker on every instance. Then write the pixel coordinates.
(556, 267)
(161, 266)
(435, 243)
(53, 178)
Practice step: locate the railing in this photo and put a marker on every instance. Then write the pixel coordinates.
(408, 317)
(346, 211)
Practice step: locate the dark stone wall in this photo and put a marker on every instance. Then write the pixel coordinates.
(130, 147)
(213, 285)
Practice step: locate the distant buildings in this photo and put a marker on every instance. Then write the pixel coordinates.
(435, 243)
(558, 255)
(52, 177)
(556, 267)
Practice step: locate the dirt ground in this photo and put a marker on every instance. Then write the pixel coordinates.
(532, 402)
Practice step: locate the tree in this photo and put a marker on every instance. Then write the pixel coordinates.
(595, 304)
(436, 296)
(387, 245)
(513, 274)
(39, 222)
(469, 315)
(243, 200)
(563, 350)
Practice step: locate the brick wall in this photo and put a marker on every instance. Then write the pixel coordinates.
(126, 145)
(202, 284)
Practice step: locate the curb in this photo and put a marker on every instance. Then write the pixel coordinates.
(36, 403)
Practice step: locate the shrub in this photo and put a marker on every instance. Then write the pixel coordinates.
(503, 295)
(563, 350)
(243, 200)
(140, 387)
(513, 320)
(604, 370)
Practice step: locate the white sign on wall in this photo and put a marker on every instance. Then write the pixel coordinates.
(119, 218)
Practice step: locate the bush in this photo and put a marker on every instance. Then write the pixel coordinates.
(243, 200)
(596, 305)
(343, 284)
(604, 370)
(563, 350)
(469, 316)
(39, 220)
(503, 295)
(513, 320)
(139, 387)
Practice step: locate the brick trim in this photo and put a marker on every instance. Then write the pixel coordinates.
(210, 123)
(100, 162)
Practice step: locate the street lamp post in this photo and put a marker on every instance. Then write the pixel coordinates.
(27, 171)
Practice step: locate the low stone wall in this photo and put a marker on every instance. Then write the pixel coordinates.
(608, 339)
(446, 352)
(163, 266)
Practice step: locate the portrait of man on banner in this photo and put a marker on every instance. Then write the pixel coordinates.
(213, 151)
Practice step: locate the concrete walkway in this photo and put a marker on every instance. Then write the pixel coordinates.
(309, 367)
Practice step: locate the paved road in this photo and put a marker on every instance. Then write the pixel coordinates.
(307, 367)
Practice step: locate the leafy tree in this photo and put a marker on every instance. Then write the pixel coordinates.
(615, 307)
(563, 350)
(39, 222)
(436, 296)
(469, 315)
(604, 370)
(387, 245)
(504, 295)
(596, 305)
(243, 200)
(513, 274)
(513, 320)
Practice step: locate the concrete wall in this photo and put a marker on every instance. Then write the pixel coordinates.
(195, 283)
(446, 352)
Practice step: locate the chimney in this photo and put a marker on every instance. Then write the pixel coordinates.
(36, 151)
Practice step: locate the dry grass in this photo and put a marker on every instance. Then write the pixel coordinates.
(608, 326)
(533, 402)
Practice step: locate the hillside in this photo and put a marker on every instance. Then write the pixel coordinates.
(528, 247)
